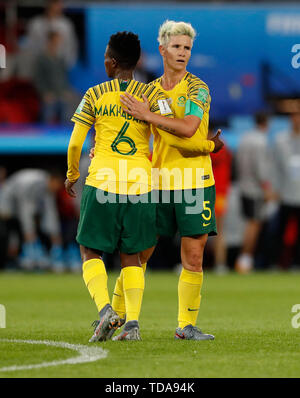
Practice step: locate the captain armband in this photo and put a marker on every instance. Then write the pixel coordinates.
(191, 109)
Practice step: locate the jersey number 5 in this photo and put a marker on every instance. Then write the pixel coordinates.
(206, 208)
(121, 137)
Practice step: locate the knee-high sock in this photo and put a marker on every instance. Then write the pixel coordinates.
(118, 299)
(95, 278)
(133, 287)
(189, 297)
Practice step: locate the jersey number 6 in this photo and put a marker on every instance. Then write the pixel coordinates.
(121, 137)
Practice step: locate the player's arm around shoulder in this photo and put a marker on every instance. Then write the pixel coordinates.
(175, 132)
(185, 127)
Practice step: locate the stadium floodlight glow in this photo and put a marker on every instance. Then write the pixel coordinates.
(2, 57)
(2, 317)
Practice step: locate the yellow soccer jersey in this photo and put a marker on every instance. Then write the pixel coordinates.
(121, 162)
(189, 97)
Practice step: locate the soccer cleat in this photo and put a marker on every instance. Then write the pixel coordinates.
(114, 328)
(108, 319)
(131, 331)
(191, 332)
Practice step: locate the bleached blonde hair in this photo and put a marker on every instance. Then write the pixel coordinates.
(172, 28)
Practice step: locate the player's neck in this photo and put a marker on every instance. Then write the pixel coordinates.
(124, 75)
(171, 77)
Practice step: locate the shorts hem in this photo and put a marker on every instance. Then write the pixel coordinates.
(92, 246)
(210, 232)
(110, 250)
(140, 249)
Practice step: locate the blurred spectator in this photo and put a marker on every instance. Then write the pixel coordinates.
(286, 182)
(53, 20)
(28, 196)
(234, 224)
(19, 102)
(69, 216)
(221, 163)
(51, 81)
(253, 170)
(25, 42)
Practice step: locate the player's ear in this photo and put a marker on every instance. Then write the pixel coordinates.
(114, 62)
(162, 50)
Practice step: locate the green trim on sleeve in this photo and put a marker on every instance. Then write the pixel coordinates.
(192, 109)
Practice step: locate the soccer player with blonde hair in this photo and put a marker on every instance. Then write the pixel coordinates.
(189, 99)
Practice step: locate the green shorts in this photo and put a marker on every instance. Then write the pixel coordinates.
(189, 211)
(123, 225)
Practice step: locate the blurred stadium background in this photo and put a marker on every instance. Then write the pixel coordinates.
(246, 52)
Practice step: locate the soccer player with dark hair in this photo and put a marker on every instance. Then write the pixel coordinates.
(116, 210)
(109, 220)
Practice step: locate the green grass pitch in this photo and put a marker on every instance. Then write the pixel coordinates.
(250, 316)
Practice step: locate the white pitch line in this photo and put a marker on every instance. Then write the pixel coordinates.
(86, 354)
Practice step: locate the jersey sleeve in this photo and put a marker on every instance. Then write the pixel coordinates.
(193, 145)
(85, 112)
(198, 98)
(74, 150)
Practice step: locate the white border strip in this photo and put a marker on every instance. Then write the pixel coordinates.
(86, 354)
